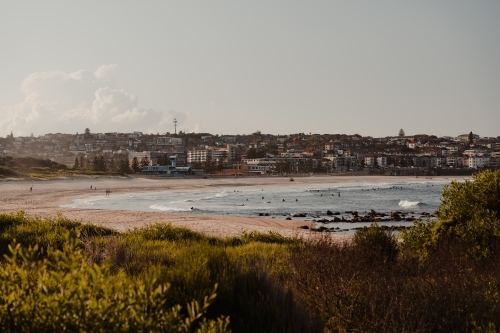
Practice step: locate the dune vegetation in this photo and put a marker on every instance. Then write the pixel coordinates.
(442, 276)
(35, 168)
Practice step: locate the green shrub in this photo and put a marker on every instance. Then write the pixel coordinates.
(45, 233)
(64, 293)
(166, 232)
(377, 243)
(8, 172)
(462, 201)
(469, 217)
(271, 237)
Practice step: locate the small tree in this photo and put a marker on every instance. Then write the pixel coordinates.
(252, 153)
(96, 163)
(471, 138)
(135, 165)
(401, 132)
(125, 166)
(144, 162)
(319, 166)
(102, 163)
(112, 165)
(220, 165)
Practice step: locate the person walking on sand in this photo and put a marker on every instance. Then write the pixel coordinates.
(339, 194)
(31, 189)
(90, 186)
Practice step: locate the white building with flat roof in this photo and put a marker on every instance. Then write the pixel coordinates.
(477, 162)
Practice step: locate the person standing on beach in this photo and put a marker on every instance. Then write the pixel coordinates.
(90, 186)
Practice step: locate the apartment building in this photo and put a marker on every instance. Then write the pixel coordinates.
(477, 162)
(199, 156)
(380, 161)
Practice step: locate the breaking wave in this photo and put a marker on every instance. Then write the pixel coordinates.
(165, 208)
(406, 203)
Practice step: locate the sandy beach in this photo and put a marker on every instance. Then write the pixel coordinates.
(47, 197)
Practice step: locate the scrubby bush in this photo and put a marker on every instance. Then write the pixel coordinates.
(469, 216)
(45, 233)
(62, 293)
(380, 244)
(8, 172)
(251, 278)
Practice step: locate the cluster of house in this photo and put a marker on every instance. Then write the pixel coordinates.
(257, 153)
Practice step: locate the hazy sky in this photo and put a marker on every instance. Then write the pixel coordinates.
(234, 67)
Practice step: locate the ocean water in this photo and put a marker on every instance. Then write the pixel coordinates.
(411, 198)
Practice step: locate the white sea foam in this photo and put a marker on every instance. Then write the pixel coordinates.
(406, 203)
(92, 200)
(165, 208)
(221, 195)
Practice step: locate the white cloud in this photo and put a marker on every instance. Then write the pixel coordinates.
(69, 102)
(105, 72)
(130, 115)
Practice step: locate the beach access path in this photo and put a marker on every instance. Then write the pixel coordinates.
(48, 195)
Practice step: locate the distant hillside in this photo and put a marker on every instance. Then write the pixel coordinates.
(20, 167)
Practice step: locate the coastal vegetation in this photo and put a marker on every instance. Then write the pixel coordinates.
(438, 276)
(34, 168)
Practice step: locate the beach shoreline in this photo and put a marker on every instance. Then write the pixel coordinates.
(47, 196)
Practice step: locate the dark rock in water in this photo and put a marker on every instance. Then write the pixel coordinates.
(336, 213)
(261, 214)
(299, 215)
(329, 213)
(348, 212)
(304, 227)
(355, 213)
(288, 218)
(409, 219)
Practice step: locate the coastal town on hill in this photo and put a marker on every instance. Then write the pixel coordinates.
(259, 154)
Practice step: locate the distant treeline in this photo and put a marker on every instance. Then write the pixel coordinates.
(17, 166)
(35, 167)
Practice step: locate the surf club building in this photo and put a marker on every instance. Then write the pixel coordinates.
(171, 170)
